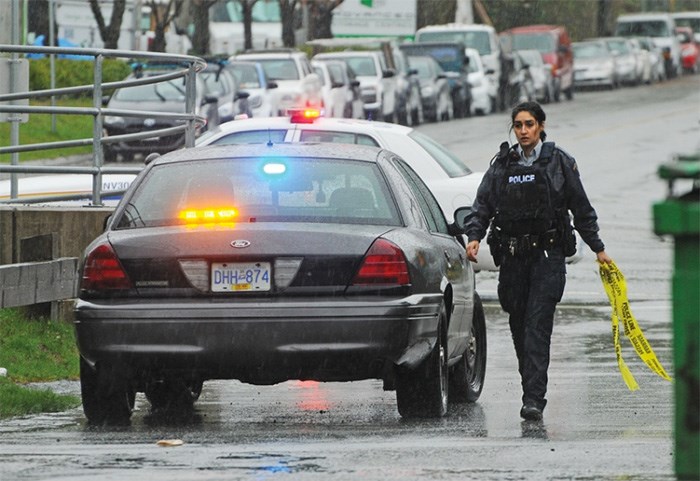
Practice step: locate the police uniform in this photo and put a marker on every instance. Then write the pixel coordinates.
(526, 202)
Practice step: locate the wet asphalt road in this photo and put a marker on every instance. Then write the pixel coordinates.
(594, 427)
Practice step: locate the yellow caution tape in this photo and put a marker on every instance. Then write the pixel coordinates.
(616, 289)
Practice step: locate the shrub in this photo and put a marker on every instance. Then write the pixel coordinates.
(71, 73)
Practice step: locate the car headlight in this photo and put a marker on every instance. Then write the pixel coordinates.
(226, 110)
(255, 101)
(114, 121)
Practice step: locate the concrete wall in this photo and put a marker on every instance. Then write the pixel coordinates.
(71, 229)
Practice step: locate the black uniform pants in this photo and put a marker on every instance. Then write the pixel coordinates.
(529, 288)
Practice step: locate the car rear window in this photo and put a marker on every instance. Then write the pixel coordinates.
(246, 137)
(260, 190)
(543, 42)
(329, 136)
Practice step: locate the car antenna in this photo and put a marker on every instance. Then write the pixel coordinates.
(269, 138)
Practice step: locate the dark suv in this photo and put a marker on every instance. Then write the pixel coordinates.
(453, 60)
(215, 100)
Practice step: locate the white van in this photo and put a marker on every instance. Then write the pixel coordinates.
(482, 38)
(688, 19)
(661, 27)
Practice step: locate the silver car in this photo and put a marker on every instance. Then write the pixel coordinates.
(594, 65)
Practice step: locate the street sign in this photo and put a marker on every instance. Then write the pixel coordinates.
(21, 84)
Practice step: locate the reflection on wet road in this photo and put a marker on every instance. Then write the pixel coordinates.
(594, 428)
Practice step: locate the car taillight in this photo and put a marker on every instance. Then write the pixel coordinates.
(383, 264)
(103, 270)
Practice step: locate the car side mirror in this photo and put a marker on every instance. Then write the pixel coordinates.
(355, 83)
(272, 84)
(413, 71)
(337, 85)
(209, 99)
(461, 216)
(241, 94)
(389, 73)
(105, 100)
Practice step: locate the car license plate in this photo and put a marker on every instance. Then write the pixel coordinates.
(240, 276)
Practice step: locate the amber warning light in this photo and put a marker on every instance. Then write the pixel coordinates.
(209, 215)
(304, 116)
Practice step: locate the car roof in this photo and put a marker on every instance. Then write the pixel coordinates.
(300, 149)
(643, 16)
(534, 28)
(348, 125)
(458, 26)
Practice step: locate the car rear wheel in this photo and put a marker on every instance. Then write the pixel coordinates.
(467, 376)
(422, 392)
(107, 395)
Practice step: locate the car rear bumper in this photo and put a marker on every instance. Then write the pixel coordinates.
(260, 343)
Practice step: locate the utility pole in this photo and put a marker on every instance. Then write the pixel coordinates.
(464, 12)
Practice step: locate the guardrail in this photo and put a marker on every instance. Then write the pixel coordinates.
(188, 67)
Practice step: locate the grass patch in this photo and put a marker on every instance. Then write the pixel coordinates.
(35, 350)
(38, 130)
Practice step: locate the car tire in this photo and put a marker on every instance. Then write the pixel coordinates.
(172, 394)
(107, 395)
(109, 155)
(467, 376)
(423, 392)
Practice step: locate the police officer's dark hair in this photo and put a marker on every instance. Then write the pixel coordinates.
(532, 108)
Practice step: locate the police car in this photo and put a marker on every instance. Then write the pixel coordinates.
(452, 182)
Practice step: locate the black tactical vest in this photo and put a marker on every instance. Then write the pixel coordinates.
(525, 206)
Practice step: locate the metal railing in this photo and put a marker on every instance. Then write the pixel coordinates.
(185, 67)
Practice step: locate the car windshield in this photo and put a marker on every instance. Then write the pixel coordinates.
(246, 76)
(286, 189)
(244, 137)
(543, 42)
(649, 28)
(422, 66)
(363, 66)
(280, 68)
(693, 23)
(590, 50)
(172, 90)
(619, 46)
(216, 84)
(475, 40)
(447, 160)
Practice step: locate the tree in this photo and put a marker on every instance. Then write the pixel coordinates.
(200, 18)
(109, 33)
(247, 12)
(288, 16)
(321, 17)
(163, 17)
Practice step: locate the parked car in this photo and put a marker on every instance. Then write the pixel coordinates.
(658, 71)
(541, 74)
(297, 84)
(520, 86)
(595, 65)
(215, 90)
(625, 60)
(484, 90)
(341, 89)
(688, 19)
(409, 106)
(335, 89)
(435, 89)
(690, 53)
(316, 262)
(377, 81)
(453, 60)
(251, 78)
(483, 38)
(553, 42)
(661, 27)
(644, 61)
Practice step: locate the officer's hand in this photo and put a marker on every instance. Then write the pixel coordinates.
(603, 258)
(472, 250)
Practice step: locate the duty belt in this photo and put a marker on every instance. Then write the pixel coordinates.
(526, 243)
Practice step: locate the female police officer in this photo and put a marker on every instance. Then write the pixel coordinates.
(526, 196)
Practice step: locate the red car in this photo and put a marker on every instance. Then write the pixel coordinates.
(690, 52)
